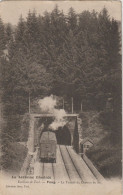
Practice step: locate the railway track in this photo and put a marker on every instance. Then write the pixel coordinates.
(69, 166)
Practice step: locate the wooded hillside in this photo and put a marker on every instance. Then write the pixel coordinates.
(73, 55)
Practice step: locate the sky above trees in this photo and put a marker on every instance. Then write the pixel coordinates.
(10, 11)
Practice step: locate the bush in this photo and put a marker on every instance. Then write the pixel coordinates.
(107, 160)
(13, 157)
(106, 118)
(25, 128)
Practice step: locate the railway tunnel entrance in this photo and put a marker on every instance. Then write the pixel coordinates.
(63, 136)
(67, 135)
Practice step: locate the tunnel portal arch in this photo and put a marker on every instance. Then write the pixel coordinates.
(66, 136)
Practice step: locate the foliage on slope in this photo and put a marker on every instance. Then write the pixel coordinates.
(13, 157)
(106, 153)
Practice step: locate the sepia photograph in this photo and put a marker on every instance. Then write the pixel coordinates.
(60, 97)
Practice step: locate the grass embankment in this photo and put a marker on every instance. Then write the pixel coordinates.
(15, 134)
(105, 155)
(14, 158)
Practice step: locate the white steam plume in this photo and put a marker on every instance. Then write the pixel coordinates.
(59, 119)
(48, 105)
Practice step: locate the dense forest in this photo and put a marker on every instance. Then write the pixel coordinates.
(73, 55)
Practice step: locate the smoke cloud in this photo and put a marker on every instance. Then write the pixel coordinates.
(59, 119)
(48, 105)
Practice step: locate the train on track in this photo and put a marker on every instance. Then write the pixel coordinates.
(48, 144)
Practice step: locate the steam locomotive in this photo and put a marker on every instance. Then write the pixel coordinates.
(48, 144)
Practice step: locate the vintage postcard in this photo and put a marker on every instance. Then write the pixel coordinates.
(60, 98)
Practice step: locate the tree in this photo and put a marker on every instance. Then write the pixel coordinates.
(2, 37)
(8, 33)
(72, 19)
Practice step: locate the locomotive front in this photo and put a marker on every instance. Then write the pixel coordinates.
(48, 146)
